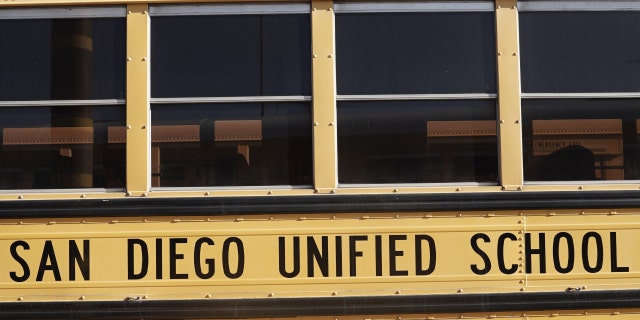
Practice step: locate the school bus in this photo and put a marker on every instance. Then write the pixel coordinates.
(174, 159)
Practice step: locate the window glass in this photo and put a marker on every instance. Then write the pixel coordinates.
(62, 147)
(408, 53)
(580, 51)
(241, 144)
(239, 55)
(50, 59)
(581, 139)
(417, 141)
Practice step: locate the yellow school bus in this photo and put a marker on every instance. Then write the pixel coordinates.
(343, 160)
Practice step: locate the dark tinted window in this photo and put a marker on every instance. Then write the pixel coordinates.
(243, 144)
(580, 51)
(417, 141)
(240, 55)
(62, 59)
(62, 147)
(404, 53)
(581, 139)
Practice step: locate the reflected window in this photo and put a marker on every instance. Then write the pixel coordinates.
(62, 90)
(415, 104)
(579, 139)
(417, 142)
(244, 144)
(61, 147)
(231, 86)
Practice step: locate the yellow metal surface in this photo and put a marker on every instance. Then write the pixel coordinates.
(138, 112)
(318, 255)
(509, 117)
(325, 164)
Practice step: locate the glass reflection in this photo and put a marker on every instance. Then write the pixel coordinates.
(580, 139)
(417, 141)
(38, 153)
(243, 144)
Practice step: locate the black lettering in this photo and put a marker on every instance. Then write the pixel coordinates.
(283, 255)
(378, 256)
(570, 252)
(393, 254)
(482, 254)
(197, 252)
(82, 261)
(599, 252)
(501, 264)
(159, 262)
(528, 252)
(49, 262)
(131, 274)
(240, 263)
(321, 258)
(339, 256)
(614, 255)
(25, 267)
(354, 253)
(432, 254)
(174, 257)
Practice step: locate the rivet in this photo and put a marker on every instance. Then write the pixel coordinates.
(144, 12)
(128, 194)
(83, 195)
(144, 58)
(515, 54)
(207, 193)
(314, 9)
(271, 294)
(513, 7)
(144, 194)
(333, 190)
(517, 121)
(580, 187)
(270, 192)
(398, 292)
(521, 289)
(20, 197)
(458, 189)
(128, 58)
(395, 190)
(460, 290)
(145, 297)
(208, 295)
(82, 297)
(315, 55)
(330, 56)
(129, 12)
(331, 124)
(498, 7)
(128, 126)
(330, 9)
(334, 293)
(501, 121)
(20, 298)
(519, 188)
(143, 127)
(499, 53)
(316, 124)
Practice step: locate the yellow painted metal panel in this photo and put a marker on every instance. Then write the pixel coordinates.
(324, 97)
(138, 113)
(318, 255)
(509, 127)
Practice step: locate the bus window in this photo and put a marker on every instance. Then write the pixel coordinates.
(573, 139)
(580, 72)
(404, 141)
(244, 81)
(400, 79)
(62, 85)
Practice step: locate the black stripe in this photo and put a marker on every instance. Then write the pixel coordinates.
(320, 204)
(334, 306)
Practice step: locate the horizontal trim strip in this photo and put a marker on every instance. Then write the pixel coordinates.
(578, 5)
(230, 99)
(581, 95)
(228, 9)
(381, 97)
(331, 203)
(62, 13)
(442, 6)
(58, 103)
(332, 306)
